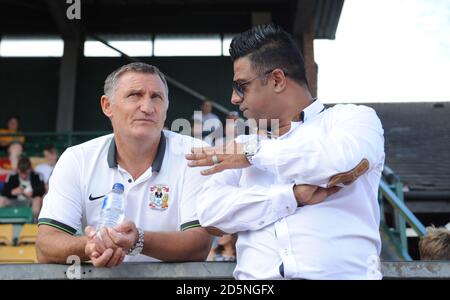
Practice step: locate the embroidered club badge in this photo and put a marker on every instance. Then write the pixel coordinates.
(159, 197)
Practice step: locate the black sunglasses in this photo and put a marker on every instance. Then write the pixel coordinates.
(239, 87)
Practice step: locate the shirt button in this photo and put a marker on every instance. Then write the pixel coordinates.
(288, 209)
(261, 223)
(129, 180)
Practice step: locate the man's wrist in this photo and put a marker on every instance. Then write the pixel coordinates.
(251, 147)
(298, 197)
(139, 244)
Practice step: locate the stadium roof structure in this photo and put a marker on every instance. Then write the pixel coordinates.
(306, 20)
(418, 144)
(34, 17)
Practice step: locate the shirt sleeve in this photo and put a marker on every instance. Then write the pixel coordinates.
(230, 208)
(62, 207)
(192, 184)
(193, 181)
(317, 151)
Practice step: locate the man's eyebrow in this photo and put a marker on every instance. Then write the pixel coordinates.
(157, 92)
(240, 79)
(134, 90)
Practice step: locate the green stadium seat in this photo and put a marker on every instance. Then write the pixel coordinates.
(16, 215)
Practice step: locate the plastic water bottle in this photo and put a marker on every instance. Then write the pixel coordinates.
(113, 208)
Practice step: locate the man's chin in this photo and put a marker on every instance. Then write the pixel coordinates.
(146, 132)
(247, 114)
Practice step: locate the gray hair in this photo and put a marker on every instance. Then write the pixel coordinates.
(140, 67)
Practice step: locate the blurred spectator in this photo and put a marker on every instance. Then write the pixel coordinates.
(206, 108)
(207, 123)
(225, 249)
(435, 245)
(12, 126)
(231, 127)
(24, 188)
(9, 163)
(45, 169)
(233, 115)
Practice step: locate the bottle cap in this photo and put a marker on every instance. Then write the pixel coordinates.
(118, 186)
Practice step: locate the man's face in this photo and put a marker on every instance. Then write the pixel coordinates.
(50, 157)
(13, 124)
(15, 149)
(257, 102)
(139, 105)
(206, 107)
(25, 174)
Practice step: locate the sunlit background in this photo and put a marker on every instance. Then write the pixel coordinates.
(384, 51)
(387, 51)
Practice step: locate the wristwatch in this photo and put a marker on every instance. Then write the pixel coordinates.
(139, 246)
(251, 147)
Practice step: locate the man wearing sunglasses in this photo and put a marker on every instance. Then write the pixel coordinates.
(299, 205)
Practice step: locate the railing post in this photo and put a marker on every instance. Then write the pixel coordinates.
(381, 204)
(400, 222)
(391, 190)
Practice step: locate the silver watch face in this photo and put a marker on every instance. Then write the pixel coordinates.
(251, 147)
(137, 249)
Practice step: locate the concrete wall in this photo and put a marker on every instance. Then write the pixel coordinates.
(200, 270)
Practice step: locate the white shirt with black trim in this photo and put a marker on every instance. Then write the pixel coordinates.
(161, 199)
(336, 239)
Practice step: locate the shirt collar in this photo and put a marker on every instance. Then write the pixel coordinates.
(312, 110)
(157, 163)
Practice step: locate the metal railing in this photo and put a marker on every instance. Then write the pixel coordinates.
(36, 141)
(391, 192)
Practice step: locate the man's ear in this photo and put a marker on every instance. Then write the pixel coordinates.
(105, 102)
(279, 80)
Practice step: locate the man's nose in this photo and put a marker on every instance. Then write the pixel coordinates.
(147, 105)
(235, 99)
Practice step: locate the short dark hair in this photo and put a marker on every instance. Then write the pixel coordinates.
(10, 117)
(24, 164)
(50, 148)
(204, 101)
(269, 47)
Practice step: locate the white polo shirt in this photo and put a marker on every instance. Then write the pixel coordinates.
(336, 239)
(161, 199)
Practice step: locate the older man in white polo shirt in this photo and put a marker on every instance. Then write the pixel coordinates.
(261, 193)
(148, 161)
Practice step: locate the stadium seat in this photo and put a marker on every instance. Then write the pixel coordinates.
(36, 160)
(28, 234)
(16, 215)
(6, 234)
(18, 255)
